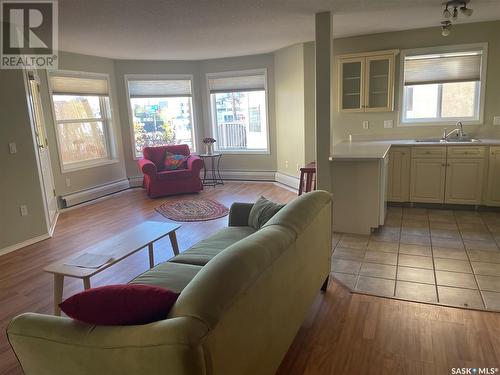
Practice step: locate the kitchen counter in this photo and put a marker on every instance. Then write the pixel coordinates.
(378, 149)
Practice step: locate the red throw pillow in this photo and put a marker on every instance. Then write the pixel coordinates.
(174, 161)
(117, 305)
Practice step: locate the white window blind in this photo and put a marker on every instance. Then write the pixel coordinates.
(446, 68)
(71, 85)
(159, 88)
(252, 82)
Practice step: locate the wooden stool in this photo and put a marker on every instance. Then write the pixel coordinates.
(309, 172)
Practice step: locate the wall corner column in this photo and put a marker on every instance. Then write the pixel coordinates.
(323, 61)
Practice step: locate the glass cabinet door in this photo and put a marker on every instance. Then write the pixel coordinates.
(351, 93)
(379, 81)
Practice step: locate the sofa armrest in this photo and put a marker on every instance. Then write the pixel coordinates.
(46, 344)
(147, 167)
(194, 163)
(239, 213)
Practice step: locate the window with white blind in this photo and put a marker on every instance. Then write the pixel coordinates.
(82, 114)
(239, 111)
(443, 85)
(161, 110)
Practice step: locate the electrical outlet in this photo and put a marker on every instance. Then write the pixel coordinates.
(366, 124)
(286, 164)
(68, 182)
(496, 120)
(298, 167)
(388, 124)
(24, 210)
(12, 148)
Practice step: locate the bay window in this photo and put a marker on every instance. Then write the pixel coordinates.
(443, 85)
(161, 110)
(82, 114)
(239, 111)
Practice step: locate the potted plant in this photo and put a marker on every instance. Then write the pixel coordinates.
(209, 145)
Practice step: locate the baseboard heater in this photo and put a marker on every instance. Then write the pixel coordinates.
(94, 193)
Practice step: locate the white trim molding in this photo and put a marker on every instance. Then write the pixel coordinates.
(287, 180)
(94, 193)
(20, 245)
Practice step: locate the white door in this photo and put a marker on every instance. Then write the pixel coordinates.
(42, 148)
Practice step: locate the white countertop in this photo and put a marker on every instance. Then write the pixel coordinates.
(378, 149)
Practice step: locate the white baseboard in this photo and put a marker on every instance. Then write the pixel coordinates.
(20, 245)
(287, 180)
(247, 175)
(135, 181)
(94, 193)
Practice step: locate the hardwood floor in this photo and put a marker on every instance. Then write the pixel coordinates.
(344, 333)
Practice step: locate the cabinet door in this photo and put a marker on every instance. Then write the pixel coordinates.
(427, 180)
(464, 181)
(494, 177)
(399, 175)
(351, 84)
(379, 85)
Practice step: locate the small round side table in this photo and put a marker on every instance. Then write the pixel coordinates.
(214, 170)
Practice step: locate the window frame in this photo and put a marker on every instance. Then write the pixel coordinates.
(480, 88)
(106, 119)
(159, 77)
(213, 115)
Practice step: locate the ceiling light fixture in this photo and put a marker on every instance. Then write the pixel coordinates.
(447, 14)
(445, 28)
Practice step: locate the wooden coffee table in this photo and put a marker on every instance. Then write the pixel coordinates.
(119, 247)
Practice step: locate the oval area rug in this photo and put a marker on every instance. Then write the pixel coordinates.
(192, 210)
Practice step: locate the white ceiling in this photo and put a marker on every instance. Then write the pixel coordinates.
(202, 29)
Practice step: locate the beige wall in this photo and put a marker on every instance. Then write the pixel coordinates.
(309, 102)
(20, 184)
(351, 123)
(95, 176)
(289, 91)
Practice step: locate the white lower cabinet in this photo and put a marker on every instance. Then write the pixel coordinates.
(427, 183)
(444, 174)
(493, 193)
(464, 181)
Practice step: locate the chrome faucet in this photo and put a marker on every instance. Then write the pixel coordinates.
(459, 130)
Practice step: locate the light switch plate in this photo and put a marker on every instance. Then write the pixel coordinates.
(366, 124)
(24, 210)
(12, 148)
(388, 124)
(496, 120)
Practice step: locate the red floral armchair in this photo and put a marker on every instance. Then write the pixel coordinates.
(160, 182)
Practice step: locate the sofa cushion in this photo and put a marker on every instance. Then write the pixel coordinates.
(174, 175)
(300, 212)
(262, 211)
(119, 305)
(173, 276)
(201, 253)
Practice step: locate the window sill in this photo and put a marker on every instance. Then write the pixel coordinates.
(79, 167)
(439, 123)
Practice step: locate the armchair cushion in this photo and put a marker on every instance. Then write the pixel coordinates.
(175, 174)
(174, 161)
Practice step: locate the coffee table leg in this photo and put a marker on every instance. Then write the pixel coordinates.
(151, 255)
(58, 293)
(173, 241)
(86, 283)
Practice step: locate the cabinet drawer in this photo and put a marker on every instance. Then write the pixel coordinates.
(429, 152)
(466, 152)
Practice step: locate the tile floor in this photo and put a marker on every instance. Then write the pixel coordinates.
(437, 256)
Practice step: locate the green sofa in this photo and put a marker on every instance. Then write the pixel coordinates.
(244, 295)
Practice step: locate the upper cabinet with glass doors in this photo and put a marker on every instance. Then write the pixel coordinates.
(366, 82)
